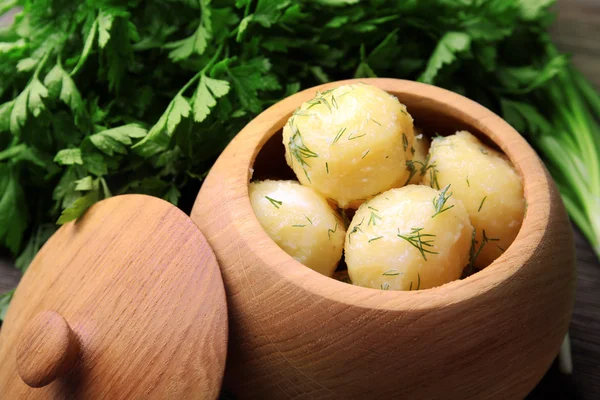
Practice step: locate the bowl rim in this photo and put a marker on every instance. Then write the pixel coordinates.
(537, 187)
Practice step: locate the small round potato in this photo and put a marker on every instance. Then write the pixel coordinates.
(301, 222)
(416, 166)
(488, 186)
(350, 143)
(410, 238)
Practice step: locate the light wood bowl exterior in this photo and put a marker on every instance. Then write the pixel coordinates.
(298, 334)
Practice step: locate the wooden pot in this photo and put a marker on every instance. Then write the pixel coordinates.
(298, 334)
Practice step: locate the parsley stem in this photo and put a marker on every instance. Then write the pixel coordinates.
(202, 71)
(36, 74)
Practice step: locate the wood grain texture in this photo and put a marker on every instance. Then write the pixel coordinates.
(47, 349)
(298, 334)
(140, 288)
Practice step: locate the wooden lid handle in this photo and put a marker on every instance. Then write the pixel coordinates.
(47, 349)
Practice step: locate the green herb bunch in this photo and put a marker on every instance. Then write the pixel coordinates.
(101, 97)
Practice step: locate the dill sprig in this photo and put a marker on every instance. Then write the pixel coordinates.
(391, 272)
(330, 231)
(300, 151)
(440, 201)
(319, 99)
(276, 203)
(421, 241)
(481, 204)
(375, 238)
(356, 228)
(484, 240)
(418, 282)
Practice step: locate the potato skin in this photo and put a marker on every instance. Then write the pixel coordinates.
(301, 222)
(378, 258)
(350, 143)
(488, 186)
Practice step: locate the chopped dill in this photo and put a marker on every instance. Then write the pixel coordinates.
(298, 226)
(339, 135)
(433, 180)
(355, 229)
(500, 248)
(418, 282)
(468, 183)
(308, 219)
(276, 203)
(334, 101)
(330, 231)
(404, 141)
(481, 204)
(300, 151)
(440, 201)
(373, 219)
(485, 240)
(421, 241)
(385, 286)
(327, 167)
(391, 272)
(375, 238)
(412, 170)
(365, 153)
(412, 150)
(483, 150)
(375, 121)
(351, 137)
(372, 208)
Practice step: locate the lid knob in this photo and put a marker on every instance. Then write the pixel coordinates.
(47, 349)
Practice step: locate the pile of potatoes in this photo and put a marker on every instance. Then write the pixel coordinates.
(424, 212)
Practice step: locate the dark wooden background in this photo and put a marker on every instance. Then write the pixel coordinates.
(576, 31)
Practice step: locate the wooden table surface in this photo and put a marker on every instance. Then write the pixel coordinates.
(576, 31)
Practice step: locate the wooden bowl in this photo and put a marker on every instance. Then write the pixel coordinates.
(298, 334)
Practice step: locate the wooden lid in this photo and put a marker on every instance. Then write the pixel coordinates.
(126, 302)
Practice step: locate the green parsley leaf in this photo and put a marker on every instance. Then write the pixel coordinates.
(446, 51)
(204, 99)
(78, 207)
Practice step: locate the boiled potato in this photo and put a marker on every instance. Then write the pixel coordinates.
(409, 238)
(488, 186)
(301, 222)
(417, 165)
(350, 143)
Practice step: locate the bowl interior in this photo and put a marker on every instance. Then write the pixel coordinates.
(270, 160)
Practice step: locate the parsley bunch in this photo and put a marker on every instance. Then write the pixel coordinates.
(104, 97)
